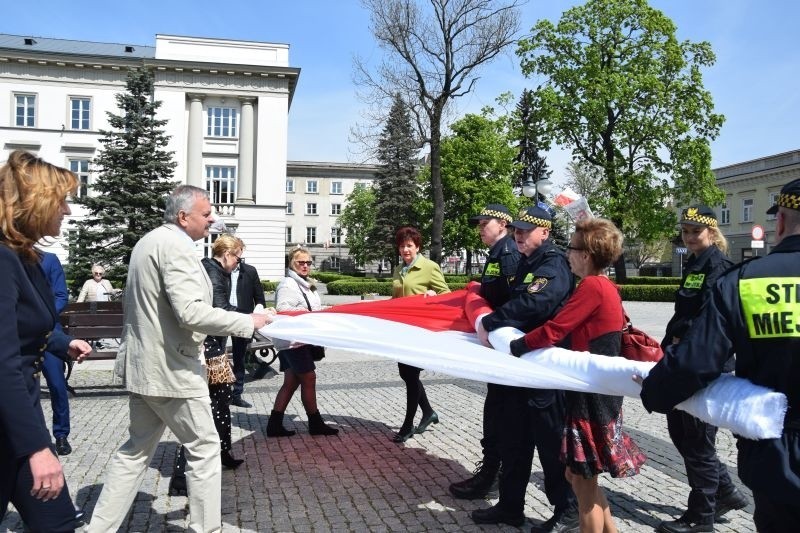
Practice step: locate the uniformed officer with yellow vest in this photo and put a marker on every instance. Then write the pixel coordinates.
(754, 313)
(532, 418)
(498, 273)
(712, 491)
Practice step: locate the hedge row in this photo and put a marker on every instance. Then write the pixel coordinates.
(632, 293)
(648, 293)
(269, 286)
(652, 280)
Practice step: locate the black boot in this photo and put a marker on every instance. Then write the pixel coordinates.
(229, 461)
(275, 425)
(483, 481)
(728, 500)
(316, 426)
(177, 485)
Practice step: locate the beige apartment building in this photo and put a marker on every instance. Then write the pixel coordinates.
(316, 193)
(750, 189)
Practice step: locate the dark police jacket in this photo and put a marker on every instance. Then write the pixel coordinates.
(698, 279)
(249, 290)
(26, 330)
(499, 271)
(541, 285)
(754, 312)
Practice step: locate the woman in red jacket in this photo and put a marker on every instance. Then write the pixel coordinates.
(593, 440)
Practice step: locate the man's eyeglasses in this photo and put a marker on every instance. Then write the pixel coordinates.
(97, 273)
(306, 263)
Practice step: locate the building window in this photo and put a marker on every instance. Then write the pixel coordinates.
(312, 186)
(359, 186)
(725, 214)
(311, 235)
(747, 210)
(288, 234)
(290, 208)
(221, 184)
(26, 110)
(289, 185)
(773, 199)
(336, 187)
(79, 109)
(336, 209)
(221, 122)
(81, 169)
(311, 208)
(208, 244)
(335, 263)
(336, 235)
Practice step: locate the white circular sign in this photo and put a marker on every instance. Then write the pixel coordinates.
(757, 232)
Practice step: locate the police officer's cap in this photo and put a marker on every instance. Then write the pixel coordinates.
(532, 217)
(699, 215)
(492, 211)
(789, 197)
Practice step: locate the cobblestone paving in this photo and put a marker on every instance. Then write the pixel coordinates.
(360, 480)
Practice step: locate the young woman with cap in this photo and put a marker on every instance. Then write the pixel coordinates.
(712, 491)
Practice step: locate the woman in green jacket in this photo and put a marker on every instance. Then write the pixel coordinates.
(415, 275)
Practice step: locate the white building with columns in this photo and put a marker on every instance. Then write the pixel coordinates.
(226, 103)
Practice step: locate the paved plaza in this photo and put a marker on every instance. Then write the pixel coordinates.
(359, 480)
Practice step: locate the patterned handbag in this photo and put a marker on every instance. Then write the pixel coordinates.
(218, 366)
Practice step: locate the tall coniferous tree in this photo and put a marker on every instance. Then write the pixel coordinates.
(134, 176)
(397, 190)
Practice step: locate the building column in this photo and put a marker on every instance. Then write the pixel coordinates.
(194, 151)
(244, 184)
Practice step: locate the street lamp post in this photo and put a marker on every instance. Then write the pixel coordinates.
(532, 189)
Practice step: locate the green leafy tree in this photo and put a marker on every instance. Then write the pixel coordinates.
(397, 193)
(435, 49)
(477, 169)
(357, 219)
(625, 95)
(134, 176)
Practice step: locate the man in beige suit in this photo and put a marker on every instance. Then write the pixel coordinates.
(168, 313)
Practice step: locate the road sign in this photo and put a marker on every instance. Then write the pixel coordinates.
(681, 250)
(756, 244)
(757, 232)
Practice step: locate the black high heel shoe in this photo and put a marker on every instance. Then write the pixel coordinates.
(433, 418)
(229, 461)
(177, 486)
(403, 435)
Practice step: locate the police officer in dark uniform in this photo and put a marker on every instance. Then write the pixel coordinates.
(754, 313)
(712, 492)
(498, 273)
(532, 418)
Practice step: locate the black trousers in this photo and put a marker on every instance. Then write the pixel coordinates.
(492, 424)
(16, 481)
(239, 352)
(415, 395)
(533, 420)
(707, 476)
(221, 411)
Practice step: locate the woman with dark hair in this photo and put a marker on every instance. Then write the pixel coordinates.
(415, 275)
(33, 203)
(593, 441)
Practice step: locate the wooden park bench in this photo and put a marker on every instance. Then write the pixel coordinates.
(93, 321)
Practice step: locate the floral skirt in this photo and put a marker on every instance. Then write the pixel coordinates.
(593, 441)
